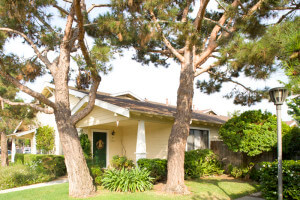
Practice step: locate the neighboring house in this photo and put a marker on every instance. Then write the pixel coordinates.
(124, 124)
(291, 123)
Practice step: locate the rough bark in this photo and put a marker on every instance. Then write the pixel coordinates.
(80, 180)
(180, 129)
(4, 156)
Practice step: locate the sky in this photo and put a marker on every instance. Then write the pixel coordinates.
(159, 83)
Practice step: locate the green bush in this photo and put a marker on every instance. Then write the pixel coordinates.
(291, 179)
(52, 164)
(19, 175)
(86, 145)
(291, 144)
(157, 168)
(240, 172)
(120, 162)
(127, 180)
(201, 162)
(19, 158)
(97, 174)
(45, 138)
(197, 163)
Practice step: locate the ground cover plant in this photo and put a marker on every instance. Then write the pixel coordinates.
(127, 180)
(209, 188)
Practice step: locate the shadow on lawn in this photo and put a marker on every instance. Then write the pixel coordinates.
(217, 183)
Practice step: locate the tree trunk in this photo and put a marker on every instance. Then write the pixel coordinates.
(4, 156)
(80, 180)
(180, 130)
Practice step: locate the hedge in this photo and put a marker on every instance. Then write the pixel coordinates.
(197, 163)
(53, 164)
(291, 179)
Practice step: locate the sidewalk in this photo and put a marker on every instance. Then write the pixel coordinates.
(254, 196)
(57, 181)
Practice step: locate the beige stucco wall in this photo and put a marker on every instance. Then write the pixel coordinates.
(157, 135)
(98, 116)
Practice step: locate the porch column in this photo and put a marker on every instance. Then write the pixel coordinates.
(141, 141)
(13, 149)
(33, 143)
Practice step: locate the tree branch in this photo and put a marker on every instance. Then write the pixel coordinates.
(223, 27)
(185, 12)
(61, 9)
(92, 97)
(230, 80)
(200, 14)
(98, 5)
(204, 69)
(284, 16)
(44, 59)
(34, 106)
(166, 42)
(27, 90)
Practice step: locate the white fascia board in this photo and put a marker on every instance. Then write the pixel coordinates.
(102, 104)
(127, 92)
(23, 133)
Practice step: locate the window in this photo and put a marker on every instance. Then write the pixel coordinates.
(197, 139)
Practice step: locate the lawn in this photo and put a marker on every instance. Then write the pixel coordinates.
(216, 188)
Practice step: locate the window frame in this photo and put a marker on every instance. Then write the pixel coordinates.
(201, 129)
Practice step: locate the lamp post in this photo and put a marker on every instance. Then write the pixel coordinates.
(278, 96)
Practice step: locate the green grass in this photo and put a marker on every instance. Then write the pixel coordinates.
(208, 189)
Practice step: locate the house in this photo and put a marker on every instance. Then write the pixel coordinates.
(124, 124)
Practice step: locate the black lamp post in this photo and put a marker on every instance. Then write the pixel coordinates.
(278, 96)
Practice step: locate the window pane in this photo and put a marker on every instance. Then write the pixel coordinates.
(190, 141)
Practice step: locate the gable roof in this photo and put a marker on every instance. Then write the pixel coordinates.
(156, 108)
(125, 103)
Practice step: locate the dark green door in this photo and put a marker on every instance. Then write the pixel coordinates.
(99, 148)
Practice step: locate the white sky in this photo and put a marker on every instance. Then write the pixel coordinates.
(159, 84)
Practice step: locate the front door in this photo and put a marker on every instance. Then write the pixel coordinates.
(99, 148)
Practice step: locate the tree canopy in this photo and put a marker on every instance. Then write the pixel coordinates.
(251, 133)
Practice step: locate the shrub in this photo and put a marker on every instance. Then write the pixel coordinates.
(86, 145)
(291, 179)
(18, 175)
(251, 133)
(291, 143)
(157, 168)
(45, 138)
(19, 158)
(127, 180)
(97, 174)
(240, 172)
(201, 162)
(52, 164)
(120, 162)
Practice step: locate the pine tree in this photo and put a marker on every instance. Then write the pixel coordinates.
(33, 22)
(220, 42)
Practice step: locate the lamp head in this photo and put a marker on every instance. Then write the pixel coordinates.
(278, 95)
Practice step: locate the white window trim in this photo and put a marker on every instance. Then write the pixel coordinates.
(107, 143)
(204, 129)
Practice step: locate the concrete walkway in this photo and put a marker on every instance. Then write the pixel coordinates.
(254, 196)
(57, 181)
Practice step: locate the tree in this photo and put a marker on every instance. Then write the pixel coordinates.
(251, 133)
(32, 21)
(45, 138)
(218, 42)
(294, 108)
(11, 117)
